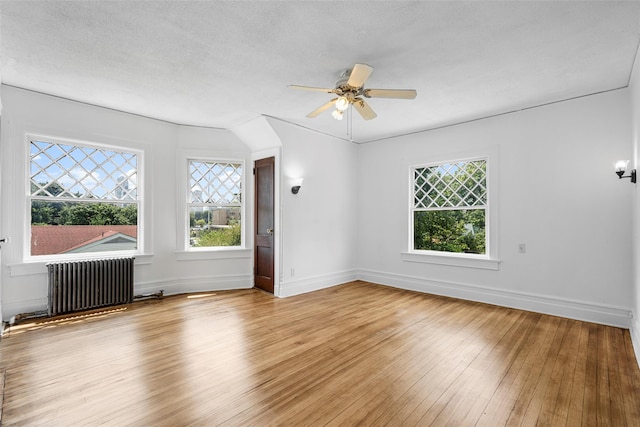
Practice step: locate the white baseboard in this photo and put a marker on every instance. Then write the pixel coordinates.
(195, 284)
(169, 286)
(310, 284)
(572, 309)
(634, 331)
(13, 308)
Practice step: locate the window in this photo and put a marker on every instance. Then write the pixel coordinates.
(215, 204)
(82, 198)
(449, 212)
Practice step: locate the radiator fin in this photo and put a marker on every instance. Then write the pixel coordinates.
(85, 285)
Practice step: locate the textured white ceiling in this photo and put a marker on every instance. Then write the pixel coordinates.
(221, 64)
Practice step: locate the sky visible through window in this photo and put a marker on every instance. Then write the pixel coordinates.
(215, 182)
(82, 172)
(456, 184)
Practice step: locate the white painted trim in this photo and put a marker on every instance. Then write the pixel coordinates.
(492, 155)
(175, 286)
(12, 308)
(171, 286)
(40, 267)
(572, 309)
(143, 259)
(140, 201)
(217, 253)
(183, 177)
(315, 283)
(634, 331)
(452, 259)
(27, 269)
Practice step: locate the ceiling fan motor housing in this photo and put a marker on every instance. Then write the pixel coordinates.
(344, 89)
(344, 78)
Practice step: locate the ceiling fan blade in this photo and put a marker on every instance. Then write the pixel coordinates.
(359, 75)
(390, 93)
(363, 108)
(322, 108)
(314, 89)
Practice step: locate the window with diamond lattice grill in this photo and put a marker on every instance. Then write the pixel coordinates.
(82, 198)
(449, 207)
(215, 203)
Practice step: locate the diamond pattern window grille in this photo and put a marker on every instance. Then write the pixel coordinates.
(215, 183)
(451, 185)
(78, 172)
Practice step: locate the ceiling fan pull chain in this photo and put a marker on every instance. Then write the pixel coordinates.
(350, 123)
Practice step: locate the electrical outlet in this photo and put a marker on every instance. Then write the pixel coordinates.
(522, 248)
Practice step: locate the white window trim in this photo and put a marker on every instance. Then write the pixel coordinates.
(182, 233)
(451, 259)
(488, 261)
(27, 257)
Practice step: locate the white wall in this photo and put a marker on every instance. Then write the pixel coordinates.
(319, 224)
(634, 88)
(557, 194)
(164, 264)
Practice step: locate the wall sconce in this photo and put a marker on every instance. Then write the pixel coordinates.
(621, 167)
(297, 183)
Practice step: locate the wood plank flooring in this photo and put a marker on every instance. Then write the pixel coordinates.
(355, 354)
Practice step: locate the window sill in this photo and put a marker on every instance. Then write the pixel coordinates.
(460, 260)
(216, 253)
(39, 266)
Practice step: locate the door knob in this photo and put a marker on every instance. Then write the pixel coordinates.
(270, 231)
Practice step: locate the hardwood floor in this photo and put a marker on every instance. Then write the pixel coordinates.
(356, 354)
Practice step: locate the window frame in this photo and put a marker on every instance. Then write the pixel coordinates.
(29, 198)
(186, 229)
(489, 260)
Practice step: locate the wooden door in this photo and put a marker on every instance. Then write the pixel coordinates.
(264, 227)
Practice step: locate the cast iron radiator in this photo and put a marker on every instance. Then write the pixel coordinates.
(84, 285)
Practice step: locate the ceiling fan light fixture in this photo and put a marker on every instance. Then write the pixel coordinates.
(349, 88)
(342, 103)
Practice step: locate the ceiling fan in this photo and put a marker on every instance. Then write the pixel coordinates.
(350, 88)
